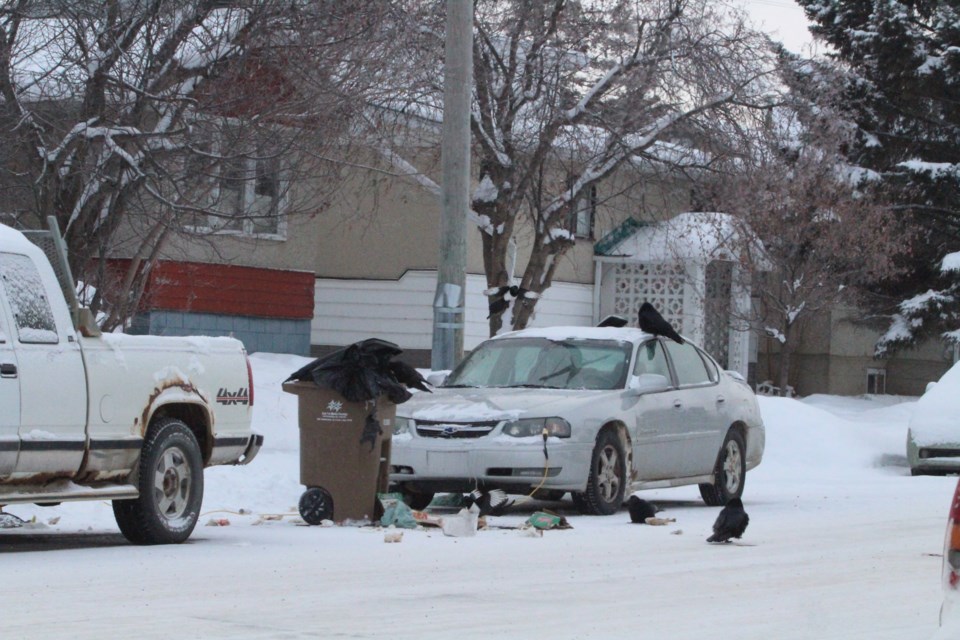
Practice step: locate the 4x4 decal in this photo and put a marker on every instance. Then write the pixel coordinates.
(241, 396)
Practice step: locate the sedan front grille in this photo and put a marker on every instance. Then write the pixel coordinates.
(437, 429)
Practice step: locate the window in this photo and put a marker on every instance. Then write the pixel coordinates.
(876, 381)
(688, 364)
(28, 300)
(582, 213)
(241, 180)
(650, 359)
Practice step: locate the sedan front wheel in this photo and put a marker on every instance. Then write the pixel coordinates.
(729, 473)
(608, 477)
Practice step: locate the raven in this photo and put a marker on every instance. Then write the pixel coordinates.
(640, 510)
(407, 375)
(493, 502)
(651, 321)
(731, 523)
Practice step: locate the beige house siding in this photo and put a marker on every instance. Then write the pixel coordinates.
(401, 310)
(835, 357)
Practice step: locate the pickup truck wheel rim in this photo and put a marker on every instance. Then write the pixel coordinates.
(172, 481)
(731, 467)
(607, 479)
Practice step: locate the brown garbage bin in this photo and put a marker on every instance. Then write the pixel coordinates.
(342, 474)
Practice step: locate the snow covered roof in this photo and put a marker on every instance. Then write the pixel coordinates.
(692, 236)
(579, 333)
(13, 241)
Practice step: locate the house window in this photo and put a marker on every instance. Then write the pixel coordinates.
(246, 186)
(582, 213)
(876, 381)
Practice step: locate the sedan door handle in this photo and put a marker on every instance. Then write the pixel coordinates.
(8, 370)
(677, 404)
(721, 399)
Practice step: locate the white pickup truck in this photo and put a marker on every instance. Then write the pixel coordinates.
(91, 416)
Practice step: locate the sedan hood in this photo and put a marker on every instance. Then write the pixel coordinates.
(494, 404)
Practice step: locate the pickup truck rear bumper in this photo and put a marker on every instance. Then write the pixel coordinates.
(253, 448)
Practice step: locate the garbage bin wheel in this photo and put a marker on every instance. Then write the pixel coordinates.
(316, 505)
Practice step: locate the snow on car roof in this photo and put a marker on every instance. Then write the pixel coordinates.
(580, 333)
(936, 418)
(13, 240)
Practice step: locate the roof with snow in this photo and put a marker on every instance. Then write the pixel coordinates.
(692, 236)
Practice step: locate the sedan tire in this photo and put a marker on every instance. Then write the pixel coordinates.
(607, 482)
(729, 473)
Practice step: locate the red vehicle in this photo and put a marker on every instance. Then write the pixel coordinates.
(950, 610)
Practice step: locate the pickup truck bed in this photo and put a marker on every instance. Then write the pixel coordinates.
(135, 419)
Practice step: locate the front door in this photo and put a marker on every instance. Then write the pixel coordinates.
(703, 410)
(657, 439)
(50, 371)
(9, 399)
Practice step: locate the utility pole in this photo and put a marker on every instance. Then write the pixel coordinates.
(448, 304)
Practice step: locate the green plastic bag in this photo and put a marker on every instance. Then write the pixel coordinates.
(544, 520)
(396, 512)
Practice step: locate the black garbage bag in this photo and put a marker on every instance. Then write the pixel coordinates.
(363, 371)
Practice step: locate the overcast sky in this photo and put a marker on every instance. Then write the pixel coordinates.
(783, 19)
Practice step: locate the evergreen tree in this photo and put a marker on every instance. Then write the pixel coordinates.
(904, 87)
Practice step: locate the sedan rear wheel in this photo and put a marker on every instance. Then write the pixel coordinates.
(607, 482)
(730, 472)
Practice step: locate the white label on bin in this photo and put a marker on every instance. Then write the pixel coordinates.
(334, 413)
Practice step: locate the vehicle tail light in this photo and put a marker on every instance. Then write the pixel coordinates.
(951, 551)
(249, 379)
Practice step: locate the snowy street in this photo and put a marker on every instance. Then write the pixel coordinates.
(842, 543)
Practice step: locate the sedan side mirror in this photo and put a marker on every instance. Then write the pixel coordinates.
(648, 383)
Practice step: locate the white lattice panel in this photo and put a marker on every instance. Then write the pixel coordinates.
(659, 283)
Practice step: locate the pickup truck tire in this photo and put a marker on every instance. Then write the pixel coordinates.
(170, 484)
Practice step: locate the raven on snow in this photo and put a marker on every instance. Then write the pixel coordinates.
(731, 523)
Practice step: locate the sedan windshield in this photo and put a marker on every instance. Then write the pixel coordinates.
(543, 363)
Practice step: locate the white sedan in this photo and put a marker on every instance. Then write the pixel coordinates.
(598, 412)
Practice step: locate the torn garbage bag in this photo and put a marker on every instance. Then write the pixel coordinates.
(363, 371)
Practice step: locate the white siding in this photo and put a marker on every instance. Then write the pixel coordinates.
(401, 311)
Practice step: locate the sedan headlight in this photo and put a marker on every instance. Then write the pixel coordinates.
(556, 427)
(401, 426)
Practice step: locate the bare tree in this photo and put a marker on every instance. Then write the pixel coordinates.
(132, 120)
(567, 93)
(810, 230)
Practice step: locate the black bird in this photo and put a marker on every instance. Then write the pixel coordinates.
(613, 321)
(493, 502)
(651, 321)
(407, 375)
(640, 510)
(731, 523)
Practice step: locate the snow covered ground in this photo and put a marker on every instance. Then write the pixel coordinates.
(842, 544)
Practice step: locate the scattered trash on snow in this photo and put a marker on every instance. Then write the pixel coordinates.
(218, 522)
(53, 520)
(462, 524)
(530, 532)
(396, 512)
(546, 520)
(659, 522)
(393, 536)
(677, 532)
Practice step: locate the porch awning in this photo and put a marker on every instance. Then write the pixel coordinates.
(694, 237)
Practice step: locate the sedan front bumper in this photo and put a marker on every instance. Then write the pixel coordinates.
(456, 465)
